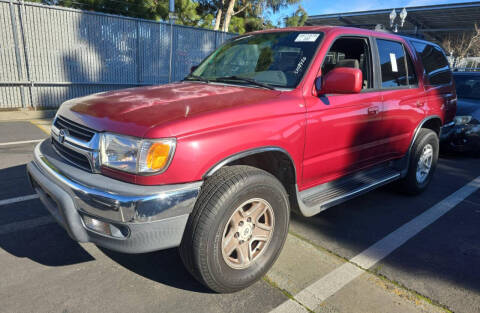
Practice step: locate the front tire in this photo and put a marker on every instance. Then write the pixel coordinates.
(423, 162)
(237, 228)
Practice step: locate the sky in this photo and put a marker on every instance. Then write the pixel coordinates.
(314, 7)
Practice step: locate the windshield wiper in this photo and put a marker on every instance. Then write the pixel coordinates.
(195, 77)
(245, 79)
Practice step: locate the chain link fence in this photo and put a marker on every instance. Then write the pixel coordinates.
(49, 54)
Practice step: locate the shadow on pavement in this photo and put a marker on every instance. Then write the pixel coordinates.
(164, 267)
(47, 245)
(13, 181)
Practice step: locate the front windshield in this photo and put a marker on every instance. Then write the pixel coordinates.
(468, 86)
(277, 59)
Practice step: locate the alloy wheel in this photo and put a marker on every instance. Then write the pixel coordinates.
(424, 163)
(247, 233)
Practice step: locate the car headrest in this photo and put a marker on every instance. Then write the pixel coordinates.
(351, 63)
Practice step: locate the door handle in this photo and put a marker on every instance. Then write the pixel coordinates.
(373, 110)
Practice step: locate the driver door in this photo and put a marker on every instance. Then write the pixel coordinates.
(343, 131)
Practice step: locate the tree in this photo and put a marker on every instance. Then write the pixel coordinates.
(218, 16)
(252, 8)
(298, 18)
(186, 11)
(461, 46)
(227, 15)
(214, 8)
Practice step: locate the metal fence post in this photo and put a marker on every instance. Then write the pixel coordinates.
(170, 67)
(21, 11)
(139, 79)
(17, 52)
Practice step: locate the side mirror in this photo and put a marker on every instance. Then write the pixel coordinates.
(193, 68)
(343, 80)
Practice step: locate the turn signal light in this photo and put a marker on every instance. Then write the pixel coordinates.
(157, 156)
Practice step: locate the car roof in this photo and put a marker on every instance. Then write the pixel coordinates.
(348, 30)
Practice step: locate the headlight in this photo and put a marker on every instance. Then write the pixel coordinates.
(462, 120)
(137, 156)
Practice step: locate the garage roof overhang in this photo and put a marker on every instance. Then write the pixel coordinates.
(430, 22)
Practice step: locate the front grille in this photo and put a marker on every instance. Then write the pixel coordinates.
(74, 157)
(74, 129)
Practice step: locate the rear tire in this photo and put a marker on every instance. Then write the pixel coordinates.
(423, 162)
(226, 216)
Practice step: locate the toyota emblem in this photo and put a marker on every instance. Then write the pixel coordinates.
(61, 135)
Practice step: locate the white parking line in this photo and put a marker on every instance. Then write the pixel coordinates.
(291, 307)
(11, 143)
(24, 225)
(18, 199)
(319, 291)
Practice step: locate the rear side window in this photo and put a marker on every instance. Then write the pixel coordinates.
(396, 65)
(435, 63)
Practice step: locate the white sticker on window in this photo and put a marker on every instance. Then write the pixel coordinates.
(393, 60)
(307, 37)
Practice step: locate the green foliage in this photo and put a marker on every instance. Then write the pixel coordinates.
(237, 25)
(297, 19)
(206, 21)
(186, 11)
(147, 9)
(249, 15)
(276, 5)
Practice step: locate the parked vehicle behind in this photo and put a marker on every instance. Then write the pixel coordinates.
(463, 135)
(296, 119)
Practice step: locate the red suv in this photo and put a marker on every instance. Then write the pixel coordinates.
(296, 119)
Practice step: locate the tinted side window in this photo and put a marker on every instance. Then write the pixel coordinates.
(435, 63)
(397, 68)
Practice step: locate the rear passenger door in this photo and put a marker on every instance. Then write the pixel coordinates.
(438, 81)
(403, 95)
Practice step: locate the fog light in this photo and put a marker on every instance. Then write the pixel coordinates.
(104, 228)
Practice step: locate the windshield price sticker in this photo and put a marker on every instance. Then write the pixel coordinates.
(393, 60)
(307, 37)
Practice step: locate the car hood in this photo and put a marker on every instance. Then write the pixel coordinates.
(134, 111)
(468, 107)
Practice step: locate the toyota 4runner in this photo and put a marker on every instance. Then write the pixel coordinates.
(296, 119)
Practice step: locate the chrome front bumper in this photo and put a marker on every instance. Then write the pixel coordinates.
(155, 216)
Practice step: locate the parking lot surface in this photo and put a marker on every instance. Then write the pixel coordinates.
(382, 252)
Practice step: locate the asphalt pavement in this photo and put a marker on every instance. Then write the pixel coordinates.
(435, 270)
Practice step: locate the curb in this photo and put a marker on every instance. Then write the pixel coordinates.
(26, 115)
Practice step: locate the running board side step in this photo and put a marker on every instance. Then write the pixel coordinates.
(317, 199)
